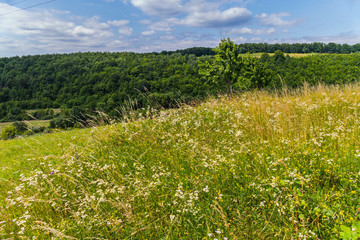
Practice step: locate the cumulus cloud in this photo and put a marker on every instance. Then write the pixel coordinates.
(275, 19)
(51, 31)
(344, 37)
(246, 30)
(194, 13)
(122, 25)
(159, 7)
(229, 17)
(148, 32)
(119, 23)
(125, 31)
(166, 42)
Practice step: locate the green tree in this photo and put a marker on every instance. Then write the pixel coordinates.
(226, 66)
(20, 127)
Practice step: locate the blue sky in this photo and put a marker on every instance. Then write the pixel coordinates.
(29, 27)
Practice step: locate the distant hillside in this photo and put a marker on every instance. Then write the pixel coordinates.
(110, 81)
(316, 47)
(96, 81)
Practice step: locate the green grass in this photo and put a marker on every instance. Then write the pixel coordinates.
(257, 166)
(31, 123)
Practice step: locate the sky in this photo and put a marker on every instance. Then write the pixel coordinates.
(29, 27)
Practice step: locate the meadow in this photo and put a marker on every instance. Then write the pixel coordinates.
(30, 123)
(259, 165)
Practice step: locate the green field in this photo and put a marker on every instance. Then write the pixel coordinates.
(257, 166)
(44, 123)
(295, 55)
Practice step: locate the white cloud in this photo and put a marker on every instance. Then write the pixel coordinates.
(146, 21)
(167, 43)
(195, 13)
(246, 30)
(148, 32)
(240, 39)
(118, 23)
(53, 31)
(122, 25)
(275, 19)
(345, 37)
(216, 18)
(159, 7)
(161, 26)
(126, 31)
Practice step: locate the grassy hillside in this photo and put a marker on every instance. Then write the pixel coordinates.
(32, 123)
(257, 166)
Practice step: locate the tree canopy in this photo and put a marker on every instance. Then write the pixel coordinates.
(42, 86)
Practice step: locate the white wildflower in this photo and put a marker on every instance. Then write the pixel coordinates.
(206, 189)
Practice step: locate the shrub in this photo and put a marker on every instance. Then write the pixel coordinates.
(20, 127)
(61, 123)
(8, 132)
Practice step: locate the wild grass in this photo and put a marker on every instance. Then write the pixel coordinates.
(257, 166)
(32, 123)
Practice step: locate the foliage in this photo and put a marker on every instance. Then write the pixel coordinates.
(20, 127)
(50, 86)
(228, 67)
(8, 132)
(257, 166)
(348, 233)
(93, 82)
(197, 51)
(61, 123)
(231, 68)
(315, 47)
(16, 128)
(37, 129)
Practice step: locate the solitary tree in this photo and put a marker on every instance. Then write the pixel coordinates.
(226, 66)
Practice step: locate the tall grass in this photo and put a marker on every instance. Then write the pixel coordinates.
(257, 166)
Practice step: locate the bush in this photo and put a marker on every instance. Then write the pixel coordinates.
(37, 129)
(8, 132)
(20, 127)
(61, 123)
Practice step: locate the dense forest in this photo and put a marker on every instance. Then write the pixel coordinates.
(95, 81)
(315, 47)
(33, 86)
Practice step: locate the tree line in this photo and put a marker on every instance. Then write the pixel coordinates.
(63, 85)
(316, 47)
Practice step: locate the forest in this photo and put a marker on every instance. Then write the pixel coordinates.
(55, 85)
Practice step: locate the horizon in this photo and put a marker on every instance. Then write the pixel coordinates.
(38, 27)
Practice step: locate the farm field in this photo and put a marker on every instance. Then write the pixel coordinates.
(293, 55)
(259, 165)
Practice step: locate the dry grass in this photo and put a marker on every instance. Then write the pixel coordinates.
(260, 165)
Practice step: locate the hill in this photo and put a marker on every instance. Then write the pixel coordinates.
(260, 165)
(52, 86)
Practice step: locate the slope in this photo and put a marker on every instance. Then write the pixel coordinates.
(258, 166)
